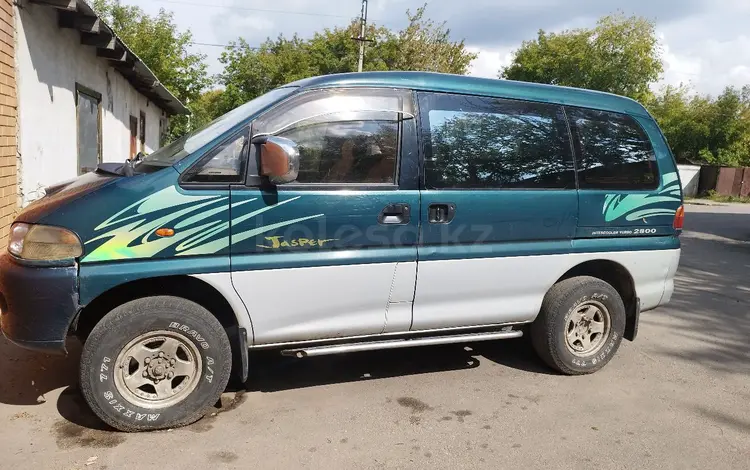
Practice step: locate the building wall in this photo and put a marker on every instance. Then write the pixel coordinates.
(689, 177)
(50, 61)
(8, 179)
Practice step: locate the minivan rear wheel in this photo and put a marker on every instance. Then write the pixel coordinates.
(154, 363)
(580, 325)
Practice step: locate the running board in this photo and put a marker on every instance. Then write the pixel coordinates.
(399, 343)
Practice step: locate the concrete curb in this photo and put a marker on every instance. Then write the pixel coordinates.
(704, 203)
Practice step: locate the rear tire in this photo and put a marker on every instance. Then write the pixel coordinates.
(580, 325)
(155, 363)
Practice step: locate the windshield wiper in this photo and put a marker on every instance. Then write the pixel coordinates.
(111, 169)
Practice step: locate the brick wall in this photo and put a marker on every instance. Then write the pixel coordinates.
(8, 107)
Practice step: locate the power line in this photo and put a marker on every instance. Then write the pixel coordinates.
(193, 43)
(261, 10)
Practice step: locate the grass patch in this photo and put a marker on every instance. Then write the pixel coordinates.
(714, 196)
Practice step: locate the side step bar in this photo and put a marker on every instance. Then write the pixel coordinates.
(399, 343)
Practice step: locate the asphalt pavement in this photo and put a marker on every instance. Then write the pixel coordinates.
(676, 398)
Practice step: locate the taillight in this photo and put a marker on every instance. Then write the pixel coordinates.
(679, 218)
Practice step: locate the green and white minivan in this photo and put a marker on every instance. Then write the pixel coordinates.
(348, 213)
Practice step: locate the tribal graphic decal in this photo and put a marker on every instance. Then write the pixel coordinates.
(199, 222)
(641, 206)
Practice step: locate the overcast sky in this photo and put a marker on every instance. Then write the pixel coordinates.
(705, 42)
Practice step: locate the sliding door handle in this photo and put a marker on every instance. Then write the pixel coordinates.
(398, 214)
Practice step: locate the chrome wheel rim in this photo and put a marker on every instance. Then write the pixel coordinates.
(587, 328)
(158, 369)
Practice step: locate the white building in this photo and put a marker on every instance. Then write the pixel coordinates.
(83, 96)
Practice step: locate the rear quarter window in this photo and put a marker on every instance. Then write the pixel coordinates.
(612, 150)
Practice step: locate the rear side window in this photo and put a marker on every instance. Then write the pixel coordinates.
(482, 142)
(613, 151)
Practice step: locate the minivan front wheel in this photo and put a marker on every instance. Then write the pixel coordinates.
(155, 363)
(580, 325)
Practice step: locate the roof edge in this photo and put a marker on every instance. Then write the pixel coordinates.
(94, 31)
(464, 84)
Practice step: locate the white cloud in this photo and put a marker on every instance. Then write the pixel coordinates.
(678, 69)
(489, 61)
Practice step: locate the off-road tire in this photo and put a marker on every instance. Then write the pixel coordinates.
(138, 317)
(548, 331)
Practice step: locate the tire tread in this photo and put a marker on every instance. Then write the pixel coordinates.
(136, 310)
(543, 329)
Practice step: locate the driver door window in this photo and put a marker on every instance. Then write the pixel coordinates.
(344, 136)
(347, 148)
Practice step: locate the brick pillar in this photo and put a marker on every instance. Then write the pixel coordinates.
(8, 132)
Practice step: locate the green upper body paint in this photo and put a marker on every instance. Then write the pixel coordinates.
(116, 217)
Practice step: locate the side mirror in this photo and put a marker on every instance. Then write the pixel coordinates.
(279, 158)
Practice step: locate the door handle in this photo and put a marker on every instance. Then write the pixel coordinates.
(395, 214)
(441, 213)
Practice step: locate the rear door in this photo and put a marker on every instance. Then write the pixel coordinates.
(499, 207)
(334, 253)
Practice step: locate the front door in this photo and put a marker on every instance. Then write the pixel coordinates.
(334, 253)
(499, 203)
(133, 136)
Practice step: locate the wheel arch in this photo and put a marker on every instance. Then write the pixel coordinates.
(618, 276)
(188, 287)
(209, 292)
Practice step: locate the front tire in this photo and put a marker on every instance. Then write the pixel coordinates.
(580, 325)
(154, 363)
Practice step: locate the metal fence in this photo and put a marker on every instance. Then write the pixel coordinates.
(725, 181)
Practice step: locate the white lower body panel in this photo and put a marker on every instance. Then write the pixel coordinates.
(303, 304)
(300, 304)
(511, 289)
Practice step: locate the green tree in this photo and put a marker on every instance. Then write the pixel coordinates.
(701, 129)
(684, 120)
(163, 48)
(730, 130)
(620, 55)
(422, 45)
(207, 107)
(425, 45)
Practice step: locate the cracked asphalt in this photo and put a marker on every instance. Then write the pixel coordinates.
(676, 398)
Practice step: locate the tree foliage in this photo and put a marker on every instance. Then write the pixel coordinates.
(426, 45)
(422, 45)
(206, 108)
(703, 129)
(620, 55)
(163, 48)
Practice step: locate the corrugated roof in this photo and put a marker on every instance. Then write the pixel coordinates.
(78, 14)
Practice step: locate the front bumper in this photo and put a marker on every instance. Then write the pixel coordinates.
(37, 304)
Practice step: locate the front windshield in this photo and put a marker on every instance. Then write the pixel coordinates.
(182, 147)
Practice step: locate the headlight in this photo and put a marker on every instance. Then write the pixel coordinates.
(43, 243)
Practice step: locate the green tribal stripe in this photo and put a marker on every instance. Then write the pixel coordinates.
(200, 223)
(642, 206)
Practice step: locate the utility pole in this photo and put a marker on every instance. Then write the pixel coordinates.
(362, 39)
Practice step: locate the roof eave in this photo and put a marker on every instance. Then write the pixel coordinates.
(79, 15)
